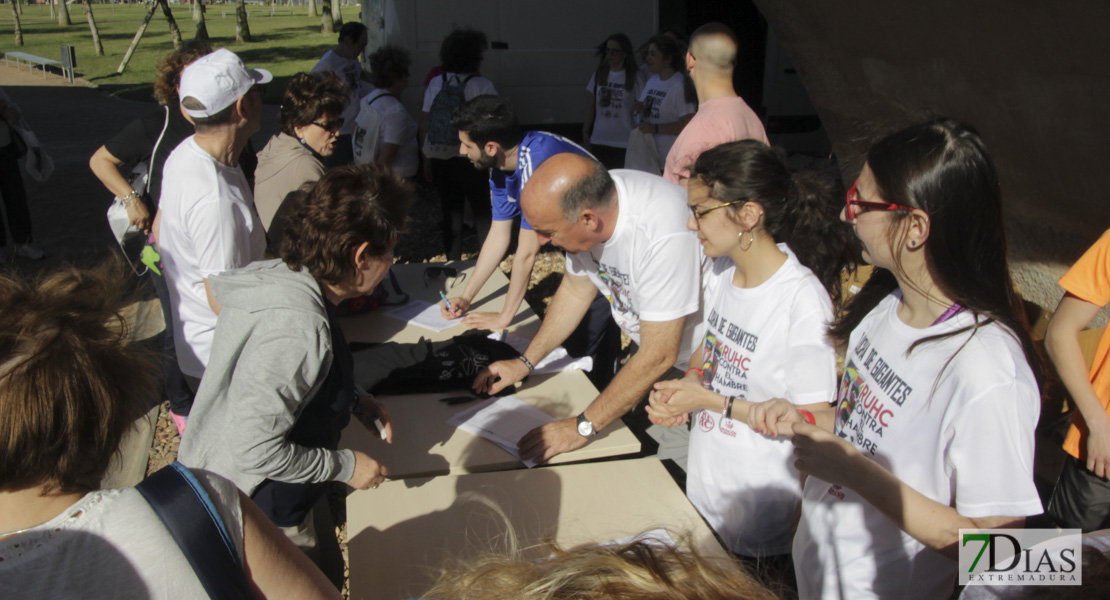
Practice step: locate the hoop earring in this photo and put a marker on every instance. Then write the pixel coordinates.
(750, 232)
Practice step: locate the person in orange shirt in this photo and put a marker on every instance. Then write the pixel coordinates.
(1082, 496)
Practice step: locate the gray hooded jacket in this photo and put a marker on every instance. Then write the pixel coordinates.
(271, 353)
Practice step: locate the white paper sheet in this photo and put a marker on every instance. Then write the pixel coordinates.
(556, 361)
(502, 421)
(421, 314)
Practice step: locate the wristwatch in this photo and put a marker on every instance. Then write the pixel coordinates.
(585, 427)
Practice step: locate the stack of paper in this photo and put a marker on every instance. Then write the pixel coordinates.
(502, 421)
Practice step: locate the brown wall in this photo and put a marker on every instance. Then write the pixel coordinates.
(1033, 77)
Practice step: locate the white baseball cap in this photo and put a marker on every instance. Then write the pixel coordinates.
(217, 80)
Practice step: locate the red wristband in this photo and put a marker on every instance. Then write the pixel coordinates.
(808, 416)
(701, 374)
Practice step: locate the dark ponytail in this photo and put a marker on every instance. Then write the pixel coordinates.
(802, 210)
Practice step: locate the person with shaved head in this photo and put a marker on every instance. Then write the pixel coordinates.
(625, 234)
(722, 115)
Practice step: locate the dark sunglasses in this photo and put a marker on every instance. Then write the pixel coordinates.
(431, 273)
(330, 126)
(857, 207)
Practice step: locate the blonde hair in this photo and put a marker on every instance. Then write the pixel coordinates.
(639, 570)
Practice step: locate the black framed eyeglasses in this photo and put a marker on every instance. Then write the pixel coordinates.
(431, 273)
(701, 212)
(330, 126)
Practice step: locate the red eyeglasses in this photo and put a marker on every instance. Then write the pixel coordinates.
(857, 207)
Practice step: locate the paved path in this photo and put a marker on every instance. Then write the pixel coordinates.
(72, 121)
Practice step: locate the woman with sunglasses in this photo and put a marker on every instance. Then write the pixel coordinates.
(933, 427)
(778, 251)
(609, 113)
(310, 122)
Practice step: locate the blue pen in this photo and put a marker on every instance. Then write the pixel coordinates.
(446, 303)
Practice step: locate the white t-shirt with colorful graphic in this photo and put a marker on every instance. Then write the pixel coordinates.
(665, 102)
(954, 420)
(760, 343)
(613, 108)
(650, 269)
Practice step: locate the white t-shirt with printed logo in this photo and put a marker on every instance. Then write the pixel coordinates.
(613, 108)
(665, 102)
(963, 439)
(760, 343)
(650, 268)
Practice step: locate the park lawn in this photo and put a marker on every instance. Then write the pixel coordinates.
(283, 44)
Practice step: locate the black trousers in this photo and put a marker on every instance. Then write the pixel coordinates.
(456, 181)
(15, 197)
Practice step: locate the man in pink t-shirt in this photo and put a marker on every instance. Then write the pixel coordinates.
(722, 115)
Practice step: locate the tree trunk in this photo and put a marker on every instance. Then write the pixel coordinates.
(336, 14)
(198, 17)
(327, 25)
(19, 6)
(312, 8)
(242, 27)
(138, 36)
(97, 46)
(18, 27)
(63, 13)
(53, 13)
(175, 32)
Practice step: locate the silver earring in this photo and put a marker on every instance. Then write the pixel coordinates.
(751, 241)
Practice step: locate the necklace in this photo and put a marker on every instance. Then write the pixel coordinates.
(18, 531)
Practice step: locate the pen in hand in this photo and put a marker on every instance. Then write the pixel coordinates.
(446, 302)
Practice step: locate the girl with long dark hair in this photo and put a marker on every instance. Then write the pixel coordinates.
(669, 100)
(933, 427)
(609, 113)
(778, 250)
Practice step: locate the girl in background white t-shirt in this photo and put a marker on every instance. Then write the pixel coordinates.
(933, 427)
(767, 310)
(609, 112)
(668, 101)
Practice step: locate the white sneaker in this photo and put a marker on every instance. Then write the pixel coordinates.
(29, 251)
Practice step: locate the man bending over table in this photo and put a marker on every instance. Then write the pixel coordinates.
(625, 234)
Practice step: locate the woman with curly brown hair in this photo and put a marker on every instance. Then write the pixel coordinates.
(393, 142)
(310, 119)
(279, 386)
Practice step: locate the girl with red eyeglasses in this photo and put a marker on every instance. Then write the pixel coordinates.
(932, 431)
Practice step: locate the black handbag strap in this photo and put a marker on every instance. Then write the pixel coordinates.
(183, 505)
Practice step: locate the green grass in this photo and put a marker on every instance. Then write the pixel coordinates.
(283, 44)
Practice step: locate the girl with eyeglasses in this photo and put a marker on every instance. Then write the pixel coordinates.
(932, 431)
(778, 251)
(310, 118)
(609, 113)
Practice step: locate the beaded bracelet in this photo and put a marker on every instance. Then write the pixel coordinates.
(129, 198)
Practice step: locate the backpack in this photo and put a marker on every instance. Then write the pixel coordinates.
(442, 140)
(367, 139)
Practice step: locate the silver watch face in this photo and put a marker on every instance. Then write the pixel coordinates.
(585, 428)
